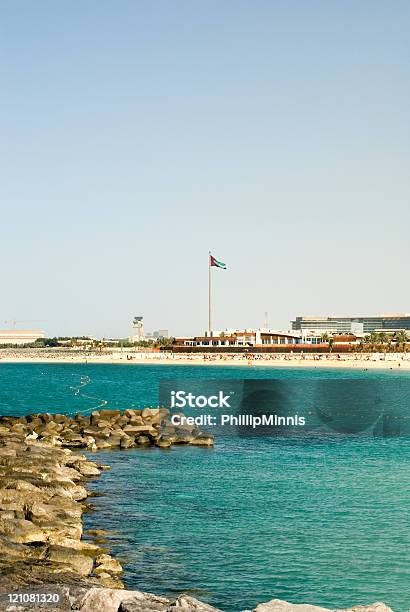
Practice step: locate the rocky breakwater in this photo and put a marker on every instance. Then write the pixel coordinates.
(42, 499)
(43, 494)
(107, 429)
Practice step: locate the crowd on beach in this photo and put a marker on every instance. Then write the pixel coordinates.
(115, 356)
(295, 358)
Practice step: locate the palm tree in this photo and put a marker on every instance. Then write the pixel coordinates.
(401, 338)
(361, 346)
(383, 338)
(374, 338)
(369, 342)
(163, 342)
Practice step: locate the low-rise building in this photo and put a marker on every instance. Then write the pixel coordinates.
(238, 338)
(352, 325)
(20, 336)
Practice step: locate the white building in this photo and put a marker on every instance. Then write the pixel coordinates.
(20, 336)
(246, 338)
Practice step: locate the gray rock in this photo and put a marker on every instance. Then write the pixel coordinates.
(164, 442)
(127, 442)
(106, 564)
(88, 468)
(378, 606)
(81, 564)
(131, 413)
(21, 531)
(101, 444)
(184, 603)
(143, 441)
(278, 605)
(109, 581)
(138, 429)
(202, 439)
(136, 605)
(95, 432)
(108, 415)
(136, 420)
(88, 548)
(148, 413)
(110, 600)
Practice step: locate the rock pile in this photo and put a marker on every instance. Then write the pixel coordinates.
(43, 494)
(43, 497)
(106, 429)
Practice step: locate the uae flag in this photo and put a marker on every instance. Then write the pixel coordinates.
(215, 263)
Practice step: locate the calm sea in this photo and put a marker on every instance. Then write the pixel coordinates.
(323, 520)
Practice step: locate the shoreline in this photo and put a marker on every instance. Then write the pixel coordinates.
(389, 362)
(43, 496)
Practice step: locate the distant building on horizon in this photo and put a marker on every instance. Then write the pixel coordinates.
(137, 332)
(160, 333)
(20, 336)
(352, 325)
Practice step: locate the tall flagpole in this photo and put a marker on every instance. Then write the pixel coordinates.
(209, 294)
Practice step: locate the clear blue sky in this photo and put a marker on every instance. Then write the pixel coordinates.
(136, 136)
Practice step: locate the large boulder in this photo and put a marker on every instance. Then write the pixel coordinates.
(12, 552)
(104, 415)
(87, 548)
(183, 437)
(149, 413)
(81, 564)
(127, 441)
(202, 440)
(97, 432)
(106, 564)
(279, 605)
(115, 438)
(131, 413)
(164, 442)
(110, 581)
(88, 468)
(136, 430)
(143, 441)
(378, 606)
(21, 531)
(102, 444)
(184, 603)
(110, 600)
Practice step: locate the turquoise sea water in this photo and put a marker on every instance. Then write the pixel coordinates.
(319, 520)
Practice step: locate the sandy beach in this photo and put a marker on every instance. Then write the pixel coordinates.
(354, 361)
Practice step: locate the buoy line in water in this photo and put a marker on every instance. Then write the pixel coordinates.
(84, 382)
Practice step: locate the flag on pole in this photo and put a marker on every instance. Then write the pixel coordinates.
(214, 263)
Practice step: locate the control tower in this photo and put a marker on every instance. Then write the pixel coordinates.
(137, 332)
